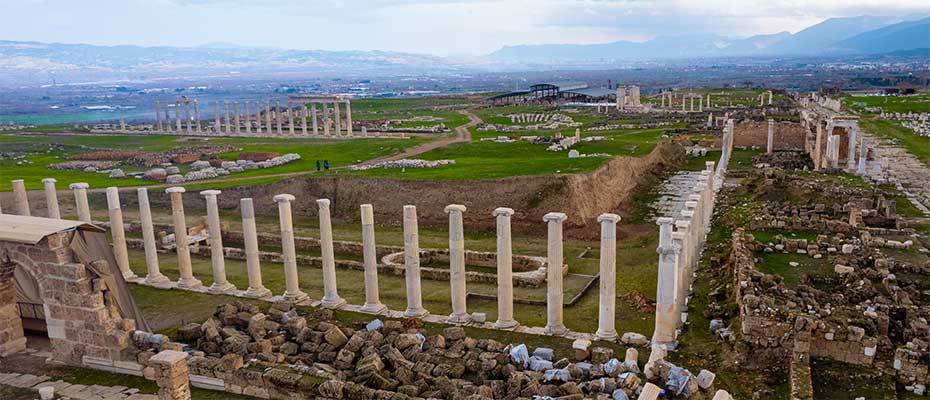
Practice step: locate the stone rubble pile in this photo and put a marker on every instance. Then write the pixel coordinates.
(278, 353)
(201, 170)
(404, 163)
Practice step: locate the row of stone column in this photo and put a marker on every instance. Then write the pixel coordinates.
(555, 260)
(681, 241)
(243, 122)
(684, 104)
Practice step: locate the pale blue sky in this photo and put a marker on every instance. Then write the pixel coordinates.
(443, 27)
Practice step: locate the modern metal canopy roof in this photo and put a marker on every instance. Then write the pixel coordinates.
(31, 230)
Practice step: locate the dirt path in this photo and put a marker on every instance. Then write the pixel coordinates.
(462, 134)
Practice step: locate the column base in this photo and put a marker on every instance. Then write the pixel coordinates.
(556, 329)
(127, 275)
(462, 318)
(158, 280)
(373, 308)
(257, 293)
(332, 302)
(221, 288)
(295, 297)
(509, 324)
(610, 336)
(189, 283)
(415, 313)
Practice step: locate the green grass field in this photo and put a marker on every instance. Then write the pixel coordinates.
(912, 103)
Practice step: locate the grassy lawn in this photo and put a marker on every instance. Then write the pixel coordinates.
(340, 153)
(913, 103)
(776, 263)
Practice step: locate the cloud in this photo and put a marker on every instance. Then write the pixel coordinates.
(425, 26)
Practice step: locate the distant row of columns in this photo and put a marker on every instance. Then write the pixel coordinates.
(235, 123)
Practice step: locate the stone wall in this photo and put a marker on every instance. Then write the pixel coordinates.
(82, 320)
(787, 135)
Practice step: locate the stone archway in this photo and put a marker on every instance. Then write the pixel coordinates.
(82, 320)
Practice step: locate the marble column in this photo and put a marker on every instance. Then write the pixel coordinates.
(268, 116)
(187, 280)
(337, 123)
(153, 276)
(504, 270)
(118, 233)
(51, 198)
(248, 118)
(258, 116)
(187, 116)
(326, 120)
(226, 120)
(682, 237)
(710, 120)
(554, 262)
(700, 104)
(167, 118)
(370, 259)
(81, 207)
(236, 121)
(863, 155)
(21, 198)
(277, 116)
(290, 119)
(769, 144)
(177, 116)
(303, 119)
(217, 257)
(197, 115)
(412, 264)
(316, 130)
(348, 117)
(606, 326)
(666, 320)
(158, 115)
(331, 297)
(292, 290)
(853, 141)
(683, 103)
(217, 126)
(253, 263)
(457, 264)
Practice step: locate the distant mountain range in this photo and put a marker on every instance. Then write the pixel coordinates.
(835, 36)
(33, 62)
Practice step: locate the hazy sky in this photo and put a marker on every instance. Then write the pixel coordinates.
(444, 27)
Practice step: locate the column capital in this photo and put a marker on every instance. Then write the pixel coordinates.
(664, 221)
(113, 195)
(175, 189)
(694, 198)
(284, 198)
(49, 180)
(322, 203)
(608, 217)
(555, 217)
(454, 207)
(410, 208)
(682, 224)
(691, 204)
(502, 211)
(210, 193)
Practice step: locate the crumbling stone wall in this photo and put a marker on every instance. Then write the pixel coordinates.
(788, 135)
(81, 322)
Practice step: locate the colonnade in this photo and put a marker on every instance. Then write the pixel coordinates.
(680, 243)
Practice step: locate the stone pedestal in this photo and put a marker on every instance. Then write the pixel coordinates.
(457, 264)
(118, 233)
(370, 259)
(51, 198)
(80, 201)
(504, 270)
(292, 287)
(331, 297)
(187, 280)
(554, 262)
(172, 375)
(154, 275)
(21, 198)
(252, 261)
(666, 320)
(217, 258)
(606, 328)
(412, 264)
